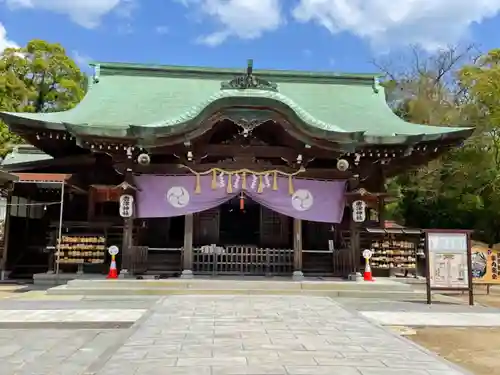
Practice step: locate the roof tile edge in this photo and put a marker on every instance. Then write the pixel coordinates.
(113, 68)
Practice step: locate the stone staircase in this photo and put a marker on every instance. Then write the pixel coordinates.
(382, 288)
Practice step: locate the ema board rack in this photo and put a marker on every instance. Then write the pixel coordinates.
(390, 253)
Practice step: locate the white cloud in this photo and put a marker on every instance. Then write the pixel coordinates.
(383, 23)
(4, 41)
(87, 13)
(81, 59)
(162, 29)
(429, 23)
(244, 19)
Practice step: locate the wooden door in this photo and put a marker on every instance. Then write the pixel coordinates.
(274, 229)
(206, 227)
(316, 235)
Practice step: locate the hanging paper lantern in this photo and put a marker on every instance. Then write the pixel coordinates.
(242, 201)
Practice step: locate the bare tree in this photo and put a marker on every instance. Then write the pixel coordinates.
(423, 87)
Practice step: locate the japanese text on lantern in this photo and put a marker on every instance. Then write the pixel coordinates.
(358, 211)
(126, 205)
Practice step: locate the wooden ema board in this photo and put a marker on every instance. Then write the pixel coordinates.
(449, 262)
(81, 249)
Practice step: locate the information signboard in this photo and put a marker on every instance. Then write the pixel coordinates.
(449, 260)
(81, 249)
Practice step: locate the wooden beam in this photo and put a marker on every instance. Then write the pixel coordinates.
(265, 151)
(256, 151)
(321, 173)
(411, 162)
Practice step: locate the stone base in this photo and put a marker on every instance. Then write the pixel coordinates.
(298, 276)
(4, 275)
(355, 276)
(187, 274)
(123, 274)
(80, 269)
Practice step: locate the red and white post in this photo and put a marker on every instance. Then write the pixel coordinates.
(113, 272)
(367, 254)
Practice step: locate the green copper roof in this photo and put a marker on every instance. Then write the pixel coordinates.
(142, 101)
(24, 154)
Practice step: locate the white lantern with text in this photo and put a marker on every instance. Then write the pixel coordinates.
(126, 205)
(359, 211)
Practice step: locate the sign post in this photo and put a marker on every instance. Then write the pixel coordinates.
(449, 262)
(367, 254)
(113, 272)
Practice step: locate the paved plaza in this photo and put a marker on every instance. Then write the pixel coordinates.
(198, 335)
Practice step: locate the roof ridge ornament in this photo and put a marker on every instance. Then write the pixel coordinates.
(376, 85)
(97, 73)
(249, 81)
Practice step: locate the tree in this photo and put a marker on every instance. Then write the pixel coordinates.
(448, 192)
(462, 188)
(39, 77)
(423, 88)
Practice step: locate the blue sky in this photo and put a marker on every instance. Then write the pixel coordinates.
(336, 35)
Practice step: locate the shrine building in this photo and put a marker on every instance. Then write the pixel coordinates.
(208, 171)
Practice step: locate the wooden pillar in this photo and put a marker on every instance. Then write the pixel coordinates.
(127, 247)
(381, 211)
(297, 250)
(354, 229)
(91, 204)
(381, 199)
(128, 257)
(6, 231)
(187, 251)
(355, 250)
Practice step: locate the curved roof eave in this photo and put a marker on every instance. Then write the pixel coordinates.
(251, 98)
(307, 122)
(31, 120)
(189, 121)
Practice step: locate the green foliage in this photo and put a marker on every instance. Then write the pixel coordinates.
(462, 189)
(39, 77)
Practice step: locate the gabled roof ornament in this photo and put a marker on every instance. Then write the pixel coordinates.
(249, 81)
(376, 85)
(97, 73)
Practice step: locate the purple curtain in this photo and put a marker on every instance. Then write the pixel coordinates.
(167, 196)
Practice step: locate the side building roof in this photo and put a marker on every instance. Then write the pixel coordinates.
(144, 101)
(21, 154)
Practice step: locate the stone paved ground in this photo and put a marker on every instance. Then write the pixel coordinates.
(225, 335)
(70, 315)
(52, 352)
(216, 335)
